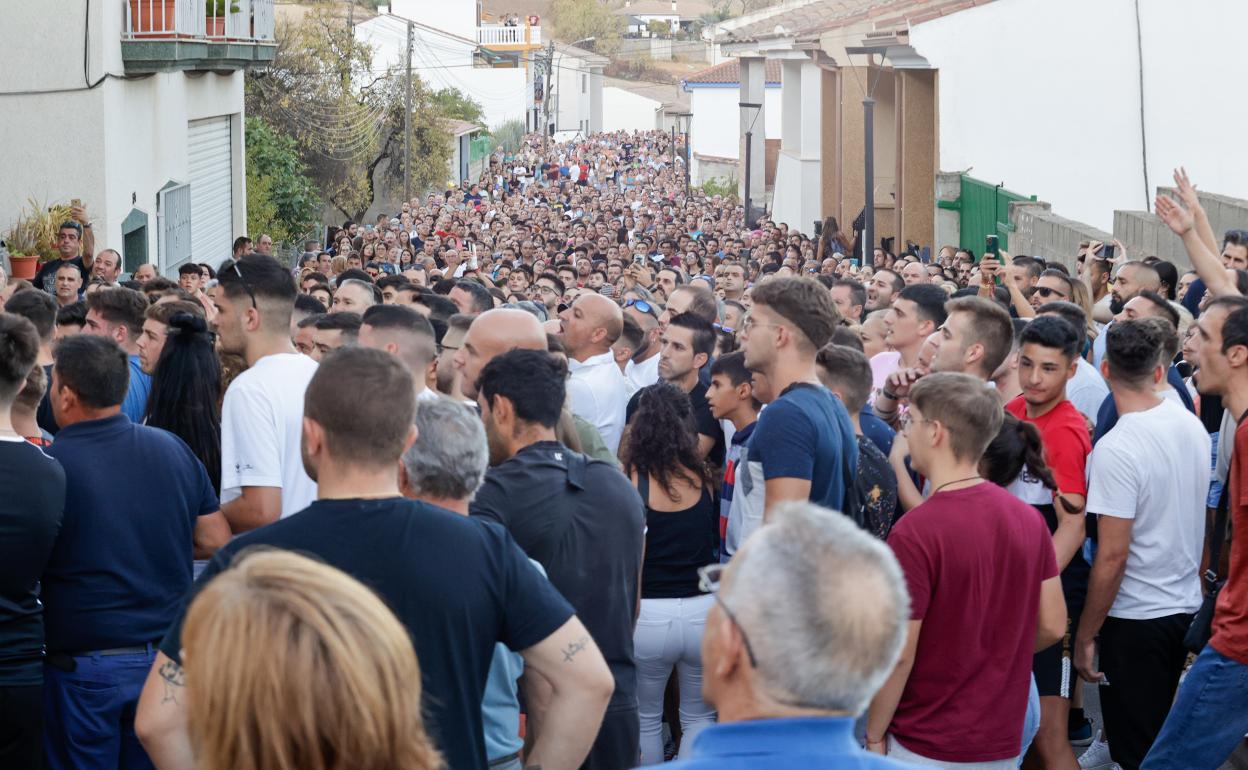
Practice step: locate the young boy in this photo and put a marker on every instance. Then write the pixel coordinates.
(731, 397)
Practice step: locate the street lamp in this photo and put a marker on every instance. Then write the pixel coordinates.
(684, 120)
(750, 118)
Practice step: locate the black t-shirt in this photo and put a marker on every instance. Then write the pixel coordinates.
(43, 415)
(678, 543)
(703, 420)
(46, 277)
(459, 586)
(582, 521)
(30, 516)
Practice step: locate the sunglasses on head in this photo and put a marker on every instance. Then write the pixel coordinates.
(643, 306)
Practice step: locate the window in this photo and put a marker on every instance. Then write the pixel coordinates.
(584, 83)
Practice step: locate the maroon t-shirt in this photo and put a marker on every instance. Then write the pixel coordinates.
(974, 559)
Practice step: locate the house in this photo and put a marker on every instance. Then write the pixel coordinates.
(677, 15)
(453, 47)
(630, 105)
(577, 91)
(470, 153)
(720, 29)
(715, 134)
(135, 108)
(1088, 133)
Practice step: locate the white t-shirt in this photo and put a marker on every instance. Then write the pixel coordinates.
(1153, 467)
(1087, 390)
(261, 430)
(643, 374)
(598, 393)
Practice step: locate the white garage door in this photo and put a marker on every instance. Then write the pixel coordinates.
(212, 194)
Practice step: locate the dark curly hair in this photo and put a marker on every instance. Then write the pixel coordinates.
(1017, 445)
(186, 384)
(662, 440)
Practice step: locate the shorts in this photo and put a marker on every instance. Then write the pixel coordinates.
(1054, 665)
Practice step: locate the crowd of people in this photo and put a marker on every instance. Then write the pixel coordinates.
(570, 469)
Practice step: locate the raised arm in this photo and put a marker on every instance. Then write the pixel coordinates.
(1204, 260)
(1187, 194)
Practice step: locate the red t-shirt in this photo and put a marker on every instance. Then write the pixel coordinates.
(1067, 444)
(1230, 620)
(973, 559)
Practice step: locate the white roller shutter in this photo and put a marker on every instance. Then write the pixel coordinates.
(212, 189)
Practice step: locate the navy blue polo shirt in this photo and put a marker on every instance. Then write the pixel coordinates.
(783, 744)
(806, 434)
(122, 560)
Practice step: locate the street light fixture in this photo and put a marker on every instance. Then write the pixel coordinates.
(684, 121)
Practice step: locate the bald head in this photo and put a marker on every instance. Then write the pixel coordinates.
(491, 334)
(590, 326)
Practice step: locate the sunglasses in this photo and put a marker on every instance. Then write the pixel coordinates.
(643, 306)
(246, 286)
(1045, 292)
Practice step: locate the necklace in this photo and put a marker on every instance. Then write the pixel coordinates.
(956, 481)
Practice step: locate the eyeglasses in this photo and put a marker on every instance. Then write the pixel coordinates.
(1045, 292)
(708, 583)
(906, 420)
(722, 328)
(246, 286)
(748, 323)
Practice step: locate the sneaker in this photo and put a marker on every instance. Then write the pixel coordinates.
(1097, 755)
(1082, 734)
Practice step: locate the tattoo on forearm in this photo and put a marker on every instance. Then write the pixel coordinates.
(573, 649)
(174, 678)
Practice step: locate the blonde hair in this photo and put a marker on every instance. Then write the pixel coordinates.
(338, 265)
(293, 665)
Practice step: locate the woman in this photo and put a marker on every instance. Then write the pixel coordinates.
(186, 387)
(339, 688)
(682, 525)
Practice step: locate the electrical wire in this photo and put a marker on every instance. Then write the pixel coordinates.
(86, 67)
(1139, 45)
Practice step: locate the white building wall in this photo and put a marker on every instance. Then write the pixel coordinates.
(626, 111)
(715, 127)
(114, 146)
(458, 17)
(573, 103)
(1023, 108)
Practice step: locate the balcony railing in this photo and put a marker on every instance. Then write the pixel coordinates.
(499, 34)
(243, 20)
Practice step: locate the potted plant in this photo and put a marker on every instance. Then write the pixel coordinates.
(216, 16)
(153, 18)
(33, 237)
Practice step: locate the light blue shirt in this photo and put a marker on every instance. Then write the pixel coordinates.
(135, 404)
(782, 744)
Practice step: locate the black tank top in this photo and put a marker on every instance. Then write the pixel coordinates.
(678, 543)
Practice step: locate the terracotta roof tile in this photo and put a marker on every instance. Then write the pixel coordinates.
(811, 21)
(729, 72)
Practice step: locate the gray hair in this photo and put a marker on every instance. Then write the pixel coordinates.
(825, 608)
(449, 457)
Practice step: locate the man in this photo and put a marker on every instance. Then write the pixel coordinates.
(189, 278)
(264, 245)
(122, 559)
(687, 345)
(884, 286)
(117, 313)
(408, 336)
(1131, 278)
(913, 274)
(847, 373)
(1047, 359)
(262, 475)
(107, 267)
(1148, 479)
(353, 296)
(975, 338)
(730, 397)
(470, 297)
(1087, 389)
(1052, 286)
(304, 337)
(390, 286)
(958, 696)
(334, 330)
(491, 334)
(694, 298)
(68, 284)
(75, 245)
(850, 298)
(241, 248)
(151, 342)
(30, 517)
(786, 693)
(145, 272)
(597, 389)
(732, 280)
(643, 369)
(447, 377)
(409, 552)
(548, 289)
(581, 519)
(917, 311)
(804, 438)
(1210, 716)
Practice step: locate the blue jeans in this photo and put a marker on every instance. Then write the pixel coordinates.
(1031, 722)
(1209, 718)
(88, 714)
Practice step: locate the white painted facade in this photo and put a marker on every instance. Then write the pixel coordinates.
(445, 59)
(114, 146)
(715, 127)
(578, 90)
(1047, 100)
(623, 110)
(458, 17)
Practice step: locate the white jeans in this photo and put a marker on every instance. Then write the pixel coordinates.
(902, 754)
(669, 633)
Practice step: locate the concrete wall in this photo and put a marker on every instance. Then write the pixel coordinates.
(1144, 234)
(707, 169)
(1041, 233)
(626, 111)
(113, 147)
(1070, 131)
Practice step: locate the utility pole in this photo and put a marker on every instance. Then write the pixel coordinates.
(550, 96)
(407, 118)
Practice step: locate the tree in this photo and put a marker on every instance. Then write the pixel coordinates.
(452, 103)
(508, 135)
(345, 113)
(575, 20)
(281, 197)
(659, 28)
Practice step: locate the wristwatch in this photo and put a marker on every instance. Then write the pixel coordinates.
(87, 226)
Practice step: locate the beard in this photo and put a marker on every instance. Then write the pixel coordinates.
(1115, 304)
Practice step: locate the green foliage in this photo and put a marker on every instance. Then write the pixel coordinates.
(575, 20)
(281, 197)
(722, 186)
(659, 28)
(453, 103)
(508, 135)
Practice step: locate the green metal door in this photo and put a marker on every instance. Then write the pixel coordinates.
(984, 209)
